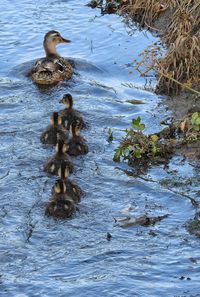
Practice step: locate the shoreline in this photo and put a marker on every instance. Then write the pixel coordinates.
(177, 70)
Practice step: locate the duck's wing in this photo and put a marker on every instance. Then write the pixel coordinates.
(49, 65)
(51, 70)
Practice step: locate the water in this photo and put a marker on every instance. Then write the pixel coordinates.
(43, 257)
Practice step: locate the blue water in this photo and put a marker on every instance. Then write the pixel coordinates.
(43, 257)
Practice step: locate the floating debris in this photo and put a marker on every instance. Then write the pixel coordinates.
(142, 221)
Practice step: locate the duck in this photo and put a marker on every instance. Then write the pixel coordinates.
(70, 115)
(55, 131)
(53, 68)
(77, 144)
(61, 185)
(60, 204)
(73, 190)
(53, 164)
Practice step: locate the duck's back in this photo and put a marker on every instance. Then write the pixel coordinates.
(51, 70)
(52, 133)
(60, 206)
(70, 116)
(53, 164)
(77, 146)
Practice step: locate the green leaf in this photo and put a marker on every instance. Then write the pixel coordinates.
(142, 127)
(197, 122)
(137, 154)
(117, 155)
(136, 121)
(136, 124)
(195, 116)
(110, 135)
(154, 138)
(154, 149)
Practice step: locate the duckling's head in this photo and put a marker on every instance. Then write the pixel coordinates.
(51, 39)
(61, 147)
(67, 100)
(55, 119)
(59, 187)
(63, 171)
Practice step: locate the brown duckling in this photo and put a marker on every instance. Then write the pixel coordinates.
(70, 115)
(72, 189)
(53, 164)
(77, 144)
(52, 68)
(66, 188)
(55, 131)
(60, 204)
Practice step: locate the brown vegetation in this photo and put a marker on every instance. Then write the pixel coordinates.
(179, 68)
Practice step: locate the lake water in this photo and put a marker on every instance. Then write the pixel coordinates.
(40, 256)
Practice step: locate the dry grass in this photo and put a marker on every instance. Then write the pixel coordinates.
(181, 63)
(145, 12)
(179, 68)
(184, 21)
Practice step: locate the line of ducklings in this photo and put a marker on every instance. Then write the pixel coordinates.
(64, 133)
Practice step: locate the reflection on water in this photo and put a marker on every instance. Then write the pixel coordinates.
(43, 257)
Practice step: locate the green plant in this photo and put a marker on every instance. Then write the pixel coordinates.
(137, 125)
(138, 148)
(133, 144)
(195, 121)
(153, 142)
(110, 135)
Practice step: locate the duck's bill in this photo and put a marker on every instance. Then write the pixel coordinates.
(65, 40)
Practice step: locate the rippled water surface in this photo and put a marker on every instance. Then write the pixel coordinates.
(43, 257)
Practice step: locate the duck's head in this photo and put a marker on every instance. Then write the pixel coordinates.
(61, 147)
(59, 187)
(55, 119)
(63, 171)
(51, 39)
(67, 100)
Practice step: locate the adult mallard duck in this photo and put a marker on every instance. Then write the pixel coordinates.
(77, 144)
(53, 164)
(52, 68)
(55, 131)
(69, 115)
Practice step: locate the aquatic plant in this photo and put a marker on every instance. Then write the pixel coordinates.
(110, 135)
(136, 146)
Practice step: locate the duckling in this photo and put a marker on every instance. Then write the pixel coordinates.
(52, 68)
(53, 164)
(70, 115)
(60, 204)
(60, 185)
(55, 131)
(77, 144)
(73, 190)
